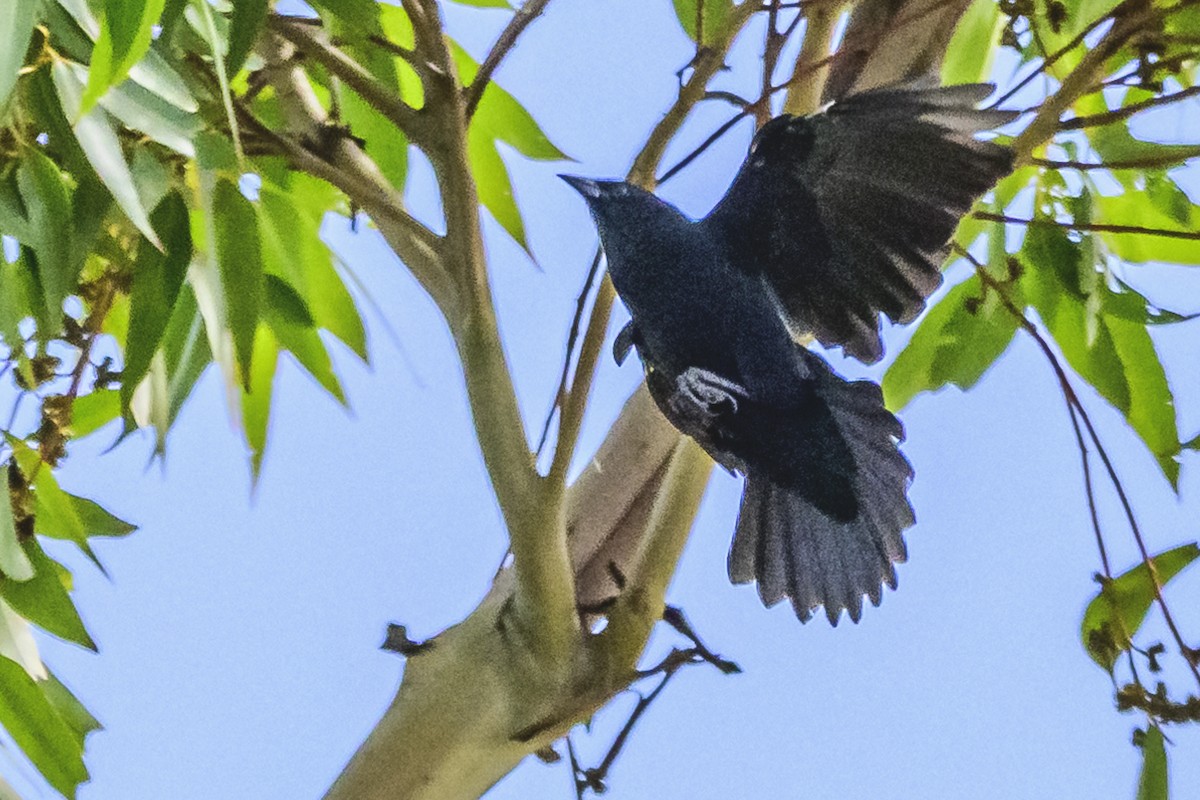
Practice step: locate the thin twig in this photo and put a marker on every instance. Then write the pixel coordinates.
(1073, 400)
(527, 13)
(560, 393)
(1090, 226)
(707, 143)
(1125, 112)
(1054, 57)
(1151, 162)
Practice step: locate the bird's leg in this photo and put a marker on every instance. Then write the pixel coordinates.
(701, 396)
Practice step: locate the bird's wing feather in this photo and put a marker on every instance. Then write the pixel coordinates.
(847, 213)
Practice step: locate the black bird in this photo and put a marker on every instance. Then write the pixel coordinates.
(833, 219)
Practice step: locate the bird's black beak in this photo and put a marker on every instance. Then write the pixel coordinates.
(585, 186)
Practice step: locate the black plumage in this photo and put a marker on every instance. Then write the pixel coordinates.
(832, 220)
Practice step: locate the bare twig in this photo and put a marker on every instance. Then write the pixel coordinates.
(1168, 159)
(1098, 227)
(560, 393)
(1077, 408)
(1125, 112)
(527, 13)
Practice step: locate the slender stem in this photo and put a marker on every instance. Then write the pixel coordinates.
(1177, 155)
(1090, 226)
(1119, 114)
(527, 13)
(1077, 408)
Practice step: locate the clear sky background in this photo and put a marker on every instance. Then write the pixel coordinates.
(239, 635)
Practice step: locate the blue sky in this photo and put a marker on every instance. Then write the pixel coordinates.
(239, 634)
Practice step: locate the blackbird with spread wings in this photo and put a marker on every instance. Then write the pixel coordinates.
(832, 220)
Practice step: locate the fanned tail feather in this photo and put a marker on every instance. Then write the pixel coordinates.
(794, 550)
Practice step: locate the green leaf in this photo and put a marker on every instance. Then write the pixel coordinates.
(38, 729)
(157, 279)
(95, 134)
(125, 36)
(17, 643)
(285, 301)
(16, 28)
(43, 599)
(142, 110)
(256, 402)
(72, 712)
(96, 521)
(291, 207)
(972, 49)
(1116, 613)
(244, 25)
(1153, 783)
(93, 411)
(306, 345)
(1111, 351)
(701, 19)
(500, 118)
(14, 564)
(239, 257)
(48, 204)
(959, 339)
(1134, 210)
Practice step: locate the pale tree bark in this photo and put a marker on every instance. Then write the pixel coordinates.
(523, 668)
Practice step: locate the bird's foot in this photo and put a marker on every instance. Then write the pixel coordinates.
(701, 396)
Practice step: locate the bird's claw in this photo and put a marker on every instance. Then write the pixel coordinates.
(702, 396)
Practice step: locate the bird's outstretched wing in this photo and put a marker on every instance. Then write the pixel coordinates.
(847, 213)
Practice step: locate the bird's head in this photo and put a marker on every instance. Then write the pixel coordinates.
(626, 216)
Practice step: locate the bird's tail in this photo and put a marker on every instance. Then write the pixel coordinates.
(795, 550)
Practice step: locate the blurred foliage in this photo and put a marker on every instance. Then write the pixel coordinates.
(151, 233)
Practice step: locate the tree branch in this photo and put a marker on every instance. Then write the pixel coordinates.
(314, 43)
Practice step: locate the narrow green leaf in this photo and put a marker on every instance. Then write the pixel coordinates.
(1153, 783)
(93, 411)
(239, 256)
(72, 712)
(125, 36)
(306, 346)
(256, 402)
(142, 110)
(96, 136)
(16, 28)
(157, 279)
(18, 644)
(972, 49)
(1111, 351)
(959, 339)
(286, 302)
(1132, 209)
(244, 25)
(48, 204)
(1116, 613)
(34, 724)
(701, 19)
(97, 521)
(43, 599)
(291, 207)
(495, 187)
(13, 561)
